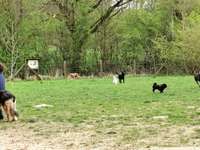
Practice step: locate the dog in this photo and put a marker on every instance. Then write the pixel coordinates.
(197, 78)
(160, 87)
(73, 76)
(115, 79)
(121, 77)
(8, 102)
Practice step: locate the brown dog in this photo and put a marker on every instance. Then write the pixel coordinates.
(73, 76)
(8, 102)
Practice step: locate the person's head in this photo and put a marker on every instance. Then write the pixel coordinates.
(1, 68)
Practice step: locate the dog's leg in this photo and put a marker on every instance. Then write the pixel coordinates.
(14, 115)
(15, 111)
(15, 105)
(6, 111)
(12, 111)
(9, 109)
(198, 83)
(197, 79)
(9, 112)
(1, 113)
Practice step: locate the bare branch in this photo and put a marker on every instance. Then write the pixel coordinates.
(95, 6)
(117, 12)
(124, 3)
(103, 18)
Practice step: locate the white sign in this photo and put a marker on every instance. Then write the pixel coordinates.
(33, 64)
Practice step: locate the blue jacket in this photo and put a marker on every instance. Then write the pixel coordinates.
(2, 82)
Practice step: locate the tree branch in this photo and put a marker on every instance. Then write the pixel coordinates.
(124, 3)
(107, 14)
(95, 6)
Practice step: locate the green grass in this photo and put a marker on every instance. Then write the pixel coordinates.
(108, 114)
(97, 101)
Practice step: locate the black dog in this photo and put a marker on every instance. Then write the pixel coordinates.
(197, 78)
(121, 77)
(160, 87)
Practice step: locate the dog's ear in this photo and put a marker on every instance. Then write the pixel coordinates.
(123, 72)
(154, 83)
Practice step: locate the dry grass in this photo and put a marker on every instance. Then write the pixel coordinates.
(51, 136)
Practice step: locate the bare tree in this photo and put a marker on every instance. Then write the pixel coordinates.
(68, 12)
(11, 11)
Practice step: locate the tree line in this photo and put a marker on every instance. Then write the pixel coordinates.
(95, 36)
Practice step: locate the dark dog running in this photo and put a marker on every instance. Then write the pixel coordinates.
(8, 102)
(197, 78)
(160, 87)
(121, 77)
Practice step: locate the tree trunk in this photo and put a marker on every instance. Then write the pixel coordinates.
(76, 57)
(65, 68)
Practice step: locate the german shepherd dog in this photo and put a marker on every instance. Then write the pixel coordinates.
(8, 102)
(160, 87)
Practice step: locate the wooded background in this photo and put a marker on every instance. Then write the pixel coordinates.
(92, 36)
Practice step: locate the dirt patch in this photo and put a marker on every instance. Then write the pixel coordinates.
(51, 136)
(169, 136)
(171, 148)
(40, 136)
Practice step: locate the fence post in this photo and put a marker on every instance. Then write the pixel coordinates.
(135, 67)
(101, 66)
(65, 68)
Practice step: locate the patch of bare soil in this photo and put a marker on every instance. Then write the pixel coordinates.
(51, 136)
(57, 136)
(172, 148)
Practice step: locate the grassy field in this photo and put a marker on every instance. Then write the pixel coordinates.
(106, 116)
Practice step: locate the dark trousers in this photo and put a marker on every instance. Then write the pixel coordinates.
(1, 114)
